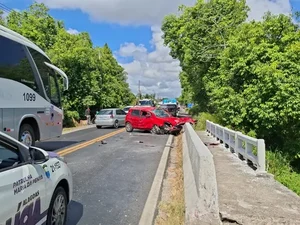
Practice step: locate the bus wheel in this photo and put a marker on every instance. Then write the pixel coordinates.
(26, 135)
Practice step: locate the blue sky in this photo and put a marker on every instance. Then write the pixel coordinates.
(132, 30)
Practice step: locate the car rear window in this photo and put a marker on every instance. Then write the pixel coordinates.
(105, 112)
(126, 109)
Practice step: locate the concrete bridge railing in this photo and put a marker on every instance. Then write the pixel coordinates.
(243, 145)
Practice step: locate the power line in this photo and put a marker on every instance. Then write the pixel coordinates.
(5, 8)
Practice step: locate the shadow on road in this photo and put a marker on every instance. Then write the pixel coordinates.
(54, 145)
(75, 212)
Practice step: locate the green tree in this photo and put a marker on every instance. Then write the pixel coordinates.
(259, 85)
(35, 24)
(197, 38)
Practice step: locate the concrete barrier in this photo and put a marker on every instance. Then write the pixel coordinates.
(200, 184)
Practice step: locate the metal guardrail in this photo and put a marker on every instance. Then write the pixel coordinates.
(240, 144)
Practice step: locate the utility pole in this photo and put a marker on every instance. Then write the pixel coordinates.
(101, 75)
(140, 93)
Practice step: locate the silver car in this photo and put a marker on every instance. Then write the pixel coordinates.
(110, 117)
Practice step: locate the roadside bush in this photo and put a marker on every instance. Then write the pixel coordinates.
(202, 117)
(278, 164)
(71, 118)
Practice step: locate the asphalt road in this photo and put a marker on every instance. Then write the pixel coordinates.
(111, 180)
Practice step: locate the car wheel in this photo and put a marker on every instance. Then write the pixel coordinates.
(116, 124)
(26, 135)
(128, 127)
(98, 127)
(57, 212)
(155, 130)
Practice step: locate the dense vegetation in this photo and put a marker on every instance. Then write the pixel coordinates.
(96, 79)
(244, 74)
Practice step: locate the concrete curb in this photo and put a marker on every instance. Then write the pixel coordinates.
(78, 129)
(149, 211)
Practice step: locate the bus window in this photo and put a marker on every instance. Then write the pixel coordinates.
(14, 63)
(48, 77)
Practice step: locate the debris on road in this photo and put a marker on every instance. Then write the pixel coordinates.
(103, 142)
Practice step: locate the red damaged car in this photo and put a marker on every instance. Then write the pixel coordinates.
(155, 120)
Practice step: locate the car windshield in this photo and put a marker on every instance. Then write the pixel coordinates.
(160, 113)
(105, 112)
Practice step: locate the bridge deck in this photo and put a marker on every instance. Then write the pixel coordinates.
(245, 198)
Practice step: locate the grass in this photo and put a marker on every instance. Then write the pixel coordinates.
(279, 165)
(172, 209)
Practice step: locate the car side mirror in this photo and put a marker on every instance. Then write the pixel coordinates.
(38, 155)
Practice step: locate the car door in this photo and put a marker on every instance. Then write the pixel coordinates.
(22, 186)
(120, 117)
(135, 118)
(146, 121)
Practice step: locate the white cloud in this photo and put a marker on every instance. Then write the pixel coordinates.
(122, 11)
(73, 31)
(259, 7)
(156, 70)
(151, 12)
(4, 14)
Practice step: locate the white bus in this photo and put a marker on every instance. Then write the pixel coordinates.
(30, 99)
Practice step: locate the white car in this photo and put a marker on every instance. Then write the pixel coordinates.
(110, 117)
(35, 186)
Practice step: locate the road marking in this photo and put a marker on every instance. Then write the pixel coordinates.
(90, 142)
